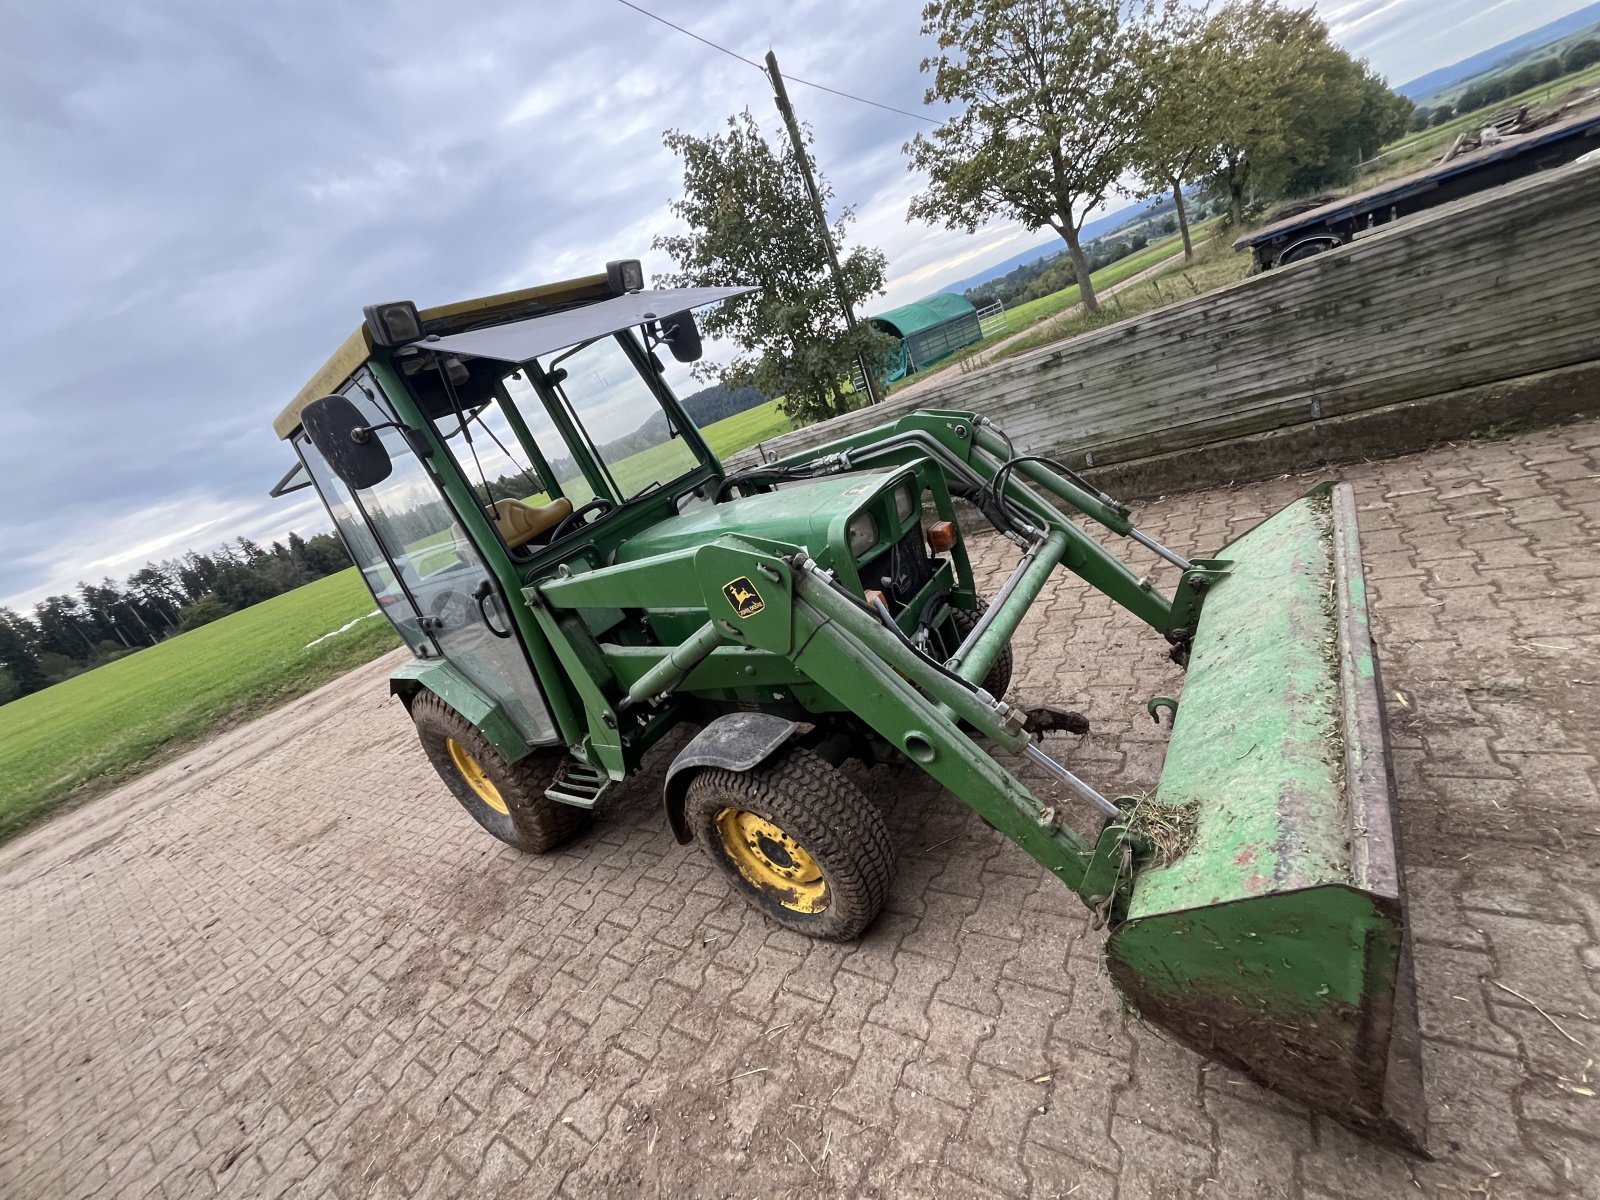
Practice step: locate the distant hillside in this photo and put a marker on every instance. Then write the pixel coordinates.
(1092, 230)
(704, 407)
(1427, 85)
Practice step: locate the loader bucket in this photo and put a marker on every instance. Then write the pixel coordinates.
(1269, 933)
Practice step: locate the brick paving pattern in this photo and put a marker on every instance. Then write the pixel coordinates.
(289, 964)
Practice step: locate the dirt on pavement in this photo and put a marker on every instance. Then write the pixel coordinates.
(287, 963)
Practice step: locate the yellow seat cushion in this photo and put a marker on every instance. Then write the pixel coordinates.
(520, 523)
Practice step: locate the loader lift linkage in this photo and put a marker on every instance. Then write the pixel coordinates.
(601, 591)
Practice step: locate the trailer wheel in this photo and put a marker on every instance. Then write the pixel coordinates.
(798, 840)
(999, 677)
(507, 799)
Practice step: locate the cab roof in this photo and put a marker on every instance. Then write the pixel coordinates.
(444, 319)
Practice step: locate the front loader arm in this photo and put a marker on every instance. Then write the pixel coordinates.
(972, 453)
(793, 624)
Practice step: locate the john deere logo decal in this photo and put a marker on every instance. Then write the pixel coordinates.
(742, 594)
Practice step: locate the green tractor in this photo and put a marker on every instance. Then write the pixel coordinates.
(571, 596)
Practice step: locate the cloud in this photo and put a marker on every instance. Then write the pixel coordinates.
(200, 198)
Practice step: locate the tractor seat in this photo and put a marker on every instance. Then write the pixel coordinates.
(519, 523)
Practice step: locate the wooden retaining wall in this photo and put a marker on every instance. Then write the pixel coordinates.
(1486, 290)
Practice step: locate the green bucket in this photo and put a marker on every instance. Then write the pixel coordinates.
(1272, 935)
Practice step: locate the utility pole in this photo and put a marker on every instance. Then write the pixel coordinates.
(780, 95)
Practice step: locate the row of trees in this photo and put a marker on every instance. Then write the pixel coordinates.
(1062, 103)
(68, 634)
(1545, 69)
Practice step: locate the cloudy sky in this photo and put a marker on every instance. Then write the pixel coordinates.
(200, 197)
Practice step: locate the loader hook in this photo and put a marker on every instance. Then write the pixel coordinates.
(1156, 703)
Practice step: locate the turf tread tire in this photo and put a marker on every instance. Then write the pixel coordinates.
(998, 678)
(821, 808)
(536, 824)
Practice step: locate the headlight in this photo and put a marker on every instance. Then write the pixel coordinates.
(905, 503)
(862, 534)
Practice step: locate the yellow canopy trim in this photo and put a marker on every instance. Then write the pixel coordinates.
(357, 348)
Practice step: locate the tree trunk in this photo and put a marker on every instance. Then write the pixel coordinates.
(1183, 219)
(1080, 266)
(1235, 193)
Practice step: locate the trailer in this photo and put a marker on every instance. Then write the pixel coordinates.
(1514, 144)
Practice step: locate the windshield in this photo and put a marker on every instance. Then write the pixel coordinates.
(615, 414)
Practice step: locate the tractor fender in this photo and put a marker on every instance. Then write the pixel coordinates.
(441, 678)
(734, 741)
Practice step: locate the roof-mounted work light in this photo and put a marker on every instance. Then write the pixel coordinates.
(625, 275)
(394, 323)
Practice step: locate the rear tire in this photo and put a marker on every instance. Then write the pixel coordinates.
(999, 677)
(507, 799)
(798, 840)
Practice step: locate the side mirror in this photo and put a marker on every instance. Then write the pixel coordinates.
(342, 436)
(682, 336)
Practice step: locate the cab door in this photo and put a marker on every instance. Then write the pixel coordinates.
(425, 573)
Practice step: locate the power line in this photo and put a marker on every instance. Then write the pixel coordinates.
(793, 78)
(862, 100)
(695, 36)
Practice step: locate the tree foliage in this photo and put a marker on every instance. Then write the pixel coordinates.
(69, 634)
(1180, 75)
(1580, 55)
(1301, 112)
(1050, 99)
(750, 222)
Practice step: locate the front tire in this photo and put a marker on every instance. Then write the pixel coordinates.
(798, 840)
(507, 799)
(998, 678)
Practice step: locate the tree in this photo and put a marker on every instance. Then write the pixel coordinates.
(1442, 114)
(750, 221)
(202, 612)
(325, 554)
(238, 586)
(1580, 55)
(1176, 137)
(1381, 116)
(1523, 78)
(195, 574)
(1051, 96)
(61, 629)
(17, 655)
(1292, 94)
(1421, 119)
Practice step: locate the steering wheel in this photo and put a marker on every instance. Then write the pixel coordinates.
(574, 519)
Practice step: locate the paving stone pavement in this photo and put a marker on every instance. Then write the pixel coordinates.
(288, 964)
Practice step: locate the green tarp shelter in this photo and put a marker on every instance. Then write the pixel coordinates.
(928, 330)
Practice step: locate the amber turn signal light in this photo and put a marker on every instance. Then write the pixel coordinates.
(941, 536)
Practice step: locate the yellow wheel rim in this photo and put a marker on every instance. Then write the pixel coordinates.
(477, 779)
(771, 861)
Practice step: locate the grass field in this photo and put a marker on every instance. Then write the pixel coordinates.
(1415, 150)
(1032, 312)
(1215, 265)
(100, 728)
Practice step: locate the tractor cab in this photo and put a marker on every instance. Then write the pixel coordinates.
(577, 575)
(466, 450)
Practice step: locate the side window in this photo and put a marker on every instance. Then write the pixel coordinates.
(490, 453)
(569, 478)
(425, 571)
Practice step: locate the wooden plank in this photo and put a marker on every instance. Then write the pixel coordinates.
(1490, 288)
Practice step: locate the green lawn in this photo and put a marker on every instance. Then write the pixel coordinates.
(100, 728)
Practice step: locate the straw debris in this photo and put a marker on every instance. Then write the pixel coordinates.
(1169, 828)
